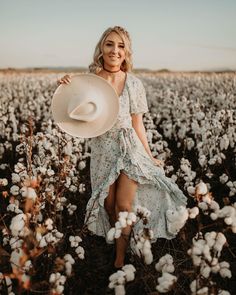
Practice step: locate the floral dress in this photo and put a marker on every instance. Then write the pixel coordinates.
(120, 149)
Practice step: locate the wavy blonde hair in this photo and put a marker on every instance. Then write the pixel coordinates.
(97, 65)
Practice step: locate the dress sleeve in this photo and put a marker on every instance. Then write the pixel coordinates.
(138, 100)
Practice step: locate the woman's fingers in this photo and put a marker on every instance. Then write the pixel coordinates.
(64, 80)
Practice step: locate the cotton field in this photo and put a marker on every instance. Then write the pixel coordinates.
(45, 185)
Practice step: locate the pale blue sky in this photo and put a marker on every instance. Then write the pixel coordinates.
(173, 34)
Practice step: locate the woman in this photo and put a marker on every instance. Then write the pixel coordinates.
(123, 171)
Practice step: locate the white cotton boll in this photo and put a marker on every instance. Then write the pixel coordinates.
(122, 222)
(59, 289)
(17, 224)
(224, 264)
(207, 199)
(81, 165)
(14, 190)
(49, 223)
(191, 190)
(111, 234)
(223, 178)
(148, 258)
(68, 267)
(203, 291)
(214, 205)
(202, 160)
(193, 212)
(213, 216)
(118, 233)
(193, 286)
(80, 252)
(42, 243)
(225, 273)
(215, 268)
(196, 260)
(4, 181)
(223, 292)
(201, 188)
(203, 206)
(228, 220)
(119, 290)
(168, 268)
(132, 217)
(205, 271)
(31, 193)
(118, 225)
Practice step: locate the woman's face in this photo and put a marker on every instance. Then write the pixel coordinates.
(113, 51)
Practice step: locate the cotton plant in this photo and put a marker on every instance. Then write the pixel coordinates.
(185, 172)
(118, 279)
(74, 243)
(71, 208)
(232, 186)
(4, 279)
(69, 261)
(141, 245)
(205, 253)
(124, 219)
(176, 219)
(57, 282)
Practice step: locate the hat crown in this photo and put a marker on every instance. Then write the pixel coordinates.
(86, 110)
(85, 106)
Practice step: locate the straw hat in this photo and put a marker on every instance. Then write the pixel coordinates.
(87, 107)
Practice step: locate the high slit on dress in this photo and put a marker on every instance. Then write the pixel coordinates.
(120, 150)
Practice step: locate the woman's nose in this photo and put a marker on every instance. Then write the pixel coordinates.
(115, 49)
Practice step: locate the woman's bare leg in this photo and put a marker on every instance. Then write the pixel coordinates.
(109, 204)
(125, 193)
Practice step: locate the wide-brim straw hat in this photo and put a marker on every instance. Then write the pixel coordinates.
(87, 107)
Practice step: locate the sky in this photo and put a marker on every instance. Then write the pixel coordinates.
(179, 35)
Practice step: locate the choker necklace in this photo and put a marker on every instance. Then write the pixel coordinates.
(111, 71)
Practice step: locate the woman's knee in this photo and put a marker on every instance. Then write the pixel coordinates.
(127, 206)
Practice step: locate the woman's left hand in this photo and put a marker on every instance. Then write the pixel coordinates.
(158, 162)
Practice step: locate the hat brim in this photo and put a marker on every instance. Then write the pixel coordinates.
(79, 128)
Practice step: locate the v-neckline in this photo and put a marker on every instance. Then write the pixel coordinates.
(126, 77)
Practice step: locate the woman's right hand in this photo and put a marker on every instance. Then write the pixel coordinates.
(64, 80)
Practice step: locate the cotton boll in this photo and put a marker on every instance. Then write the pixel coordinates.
(191, 190)
(14, 190)
(213, 216)
(80, 252)
(223, 178)
(193, 286)
(148, 258)
(203, 206)
(203, 291)
(205, 271)
(225, 273)
(223, 292)
(118, 233)
(201, 188)
(17, 224)
(119, 290)
(193, 212)
(111, 234)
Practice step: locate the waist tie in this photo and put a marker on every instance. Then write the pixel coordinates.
(128, 143)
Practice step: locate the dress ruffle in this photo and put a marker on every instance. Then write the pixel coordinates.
(155, 191)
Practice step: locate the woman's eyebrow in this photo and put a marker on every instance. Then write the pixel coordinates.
(113, 42)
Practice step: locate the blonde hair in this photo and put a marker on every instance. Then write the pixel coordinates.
(97, 65)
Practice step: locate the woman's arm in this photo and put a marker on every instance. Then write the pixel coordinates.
(137, 123)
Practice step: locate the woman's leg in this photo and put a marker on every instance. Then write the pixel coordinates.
(125, 193)
(109, 204)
